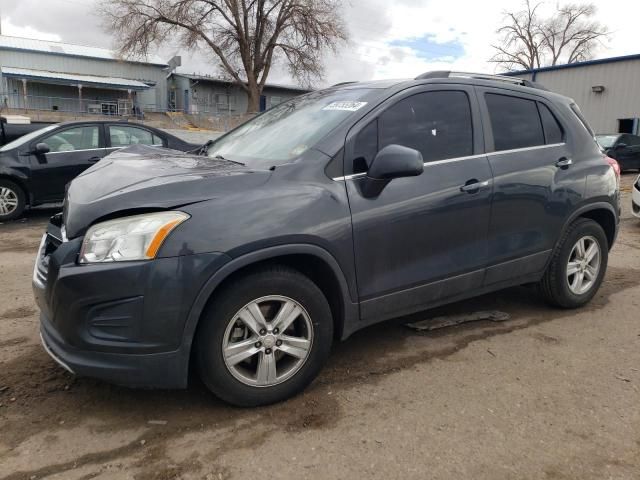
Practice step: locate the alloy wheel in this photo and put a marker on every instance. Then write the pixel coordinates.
(584, 265)
(267, 341)
(8, 201)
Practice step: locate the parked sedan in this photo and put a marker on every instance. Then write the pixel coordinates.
(623, 147)
(12, 131)
(35, 168)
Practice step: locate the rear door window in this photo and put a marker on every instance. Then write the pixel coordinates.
(515, 122)
(123, 136)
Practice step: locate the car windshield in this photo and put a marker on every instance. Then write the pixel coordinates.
(290, 129)
(607, 141)
(26, 138)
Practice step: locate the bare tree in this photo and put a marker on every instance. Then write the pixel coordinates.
(529, 40)
(246, 36)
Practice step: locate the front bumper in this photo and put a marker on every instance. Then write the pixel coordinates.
(635, 198)
(119, 322)
(156, 370)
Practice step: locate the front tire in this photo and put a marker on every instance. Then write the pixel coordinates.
(264, 337)
(12, 200)
(577, 266)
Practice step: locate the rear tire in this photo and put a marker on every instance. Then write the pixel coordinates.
(12, 200)
(577, 266)
(276, 364)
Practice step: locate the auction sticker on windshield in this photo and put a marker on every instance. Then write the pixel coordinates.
(345, 106)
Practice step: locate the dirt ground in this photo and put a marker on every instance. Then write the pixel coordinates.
(548, 394)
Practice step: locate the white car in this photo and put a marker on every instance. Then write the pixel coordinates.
(635, 198)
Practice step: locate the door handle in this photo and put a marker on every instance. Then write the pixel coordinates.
(472, 186)
(95, 159)
(564, 162)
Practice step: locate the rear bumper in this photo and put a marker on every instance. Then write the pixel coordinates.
(635, 199)
(121, 322)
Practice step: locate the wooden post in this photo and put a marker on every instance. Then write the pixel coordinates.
(79, 98)
(24, 94)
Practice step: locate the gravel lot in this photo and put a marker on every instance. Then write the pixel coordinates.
(549, 394)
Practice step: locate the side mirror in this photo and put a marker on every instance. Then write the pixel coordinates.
(39, 152)
(620, 146)
(396, 161)
(41, 149)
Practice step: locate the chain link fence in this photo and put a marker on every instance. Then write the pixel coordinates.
(200, 116)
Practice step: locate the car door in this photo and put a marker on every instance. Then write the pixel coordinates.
(535, 182)
(72, 150)
(627, 151)
(122, 136)
(422, 239)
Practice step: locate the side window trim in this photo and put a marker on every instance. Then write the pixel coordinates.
(478, 140)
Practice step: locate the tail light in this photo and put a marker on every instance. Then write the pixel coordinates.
(613, 164)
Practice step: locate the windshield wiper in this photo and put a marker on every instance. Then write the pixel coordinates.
(220, 157)
(201, 150)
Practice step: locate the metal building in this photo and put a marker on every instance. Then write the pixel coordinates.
(201, 94)
(607, 90)
(53, 76)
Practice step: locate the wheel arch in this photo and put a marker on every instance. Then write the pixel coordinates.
(311, 260)
(20, 183)
(603, 214)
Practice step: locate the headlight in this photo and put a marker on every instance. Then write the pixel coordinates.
(129, 238)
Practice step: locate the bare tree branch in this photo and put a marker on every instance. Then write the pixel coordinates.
(529, 41)
(246, 36)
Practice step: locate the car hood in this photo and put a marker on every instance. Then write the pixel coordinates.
(142, 178)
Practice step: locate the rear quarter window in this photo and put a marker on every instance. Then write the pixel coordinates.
(576, 110)
(553, 131)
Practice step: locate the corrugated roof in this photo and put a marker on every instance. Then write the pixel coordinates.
(586, 63)
(206, 78)
(74, 78)
(59, 48)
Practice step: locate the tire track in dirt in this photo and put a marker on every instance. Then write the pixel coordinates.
(42, 396)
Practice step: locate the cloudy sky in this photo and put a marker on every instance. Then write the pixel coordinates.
(388, 38)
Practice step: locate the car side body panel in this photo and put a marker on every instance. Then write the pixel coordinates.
(420, 243)
(303, 205)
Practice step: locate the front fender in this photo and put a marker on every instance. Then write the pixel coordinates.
(350, 306)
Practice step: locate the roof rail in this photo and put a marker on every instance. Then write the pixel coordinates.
(480, 76)
(342, 83)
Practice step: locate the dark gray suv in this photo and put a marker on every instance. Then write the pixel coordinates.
(331, 212)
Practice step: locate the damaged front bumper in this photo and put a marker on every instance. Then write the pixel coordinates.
(122, 322)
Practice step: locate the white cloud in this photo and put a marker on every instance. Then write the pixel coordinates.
(26, 31)
(381, 34)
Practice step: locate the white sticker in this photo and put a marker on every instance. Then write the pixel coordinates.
(345, 106)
